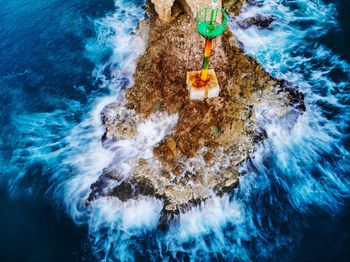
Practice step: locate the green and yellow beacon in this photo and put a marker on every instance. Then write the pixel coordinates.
(211, 23)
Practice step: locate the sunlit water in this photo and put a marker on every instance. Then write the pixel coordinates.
(59, 70)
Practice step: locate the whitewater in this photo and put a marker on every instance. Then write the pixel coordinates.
(299, 174)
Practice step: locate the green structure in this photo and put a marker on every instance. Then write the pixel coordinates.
(211, 23)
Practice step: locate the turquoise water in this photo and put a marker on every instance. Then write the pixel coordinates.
(63, 61)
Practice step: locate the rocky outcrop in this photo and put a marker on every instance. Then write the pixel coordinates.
(163, 8)
(211, 138)
(259, 21)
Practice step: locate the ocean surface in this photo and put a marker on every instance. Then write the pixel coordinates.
(62, 61)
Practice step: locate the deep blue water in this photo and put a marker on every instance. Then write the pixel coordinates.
(62, 61)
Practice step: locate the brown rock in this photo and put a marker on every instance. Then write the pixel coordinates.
(222, 131)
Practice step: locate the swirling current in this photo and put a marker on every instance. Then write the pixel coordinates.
(63, 61)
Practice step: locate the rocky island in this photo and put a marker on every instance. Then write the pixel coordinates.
(201, 155)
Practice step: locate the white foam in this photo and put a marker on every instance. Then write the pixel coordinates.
(123, 221)
(133, 216)
(88, 157)
(116, 34)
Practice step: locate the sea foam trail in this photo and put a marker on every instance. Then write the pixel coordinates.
(296, 172)
(115, 34)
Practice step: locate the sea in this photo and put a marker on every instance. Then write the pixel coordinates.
(63, 61)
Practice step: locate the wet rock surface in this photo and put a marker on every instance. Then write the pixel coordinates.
(200, 156)
(258, 21)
